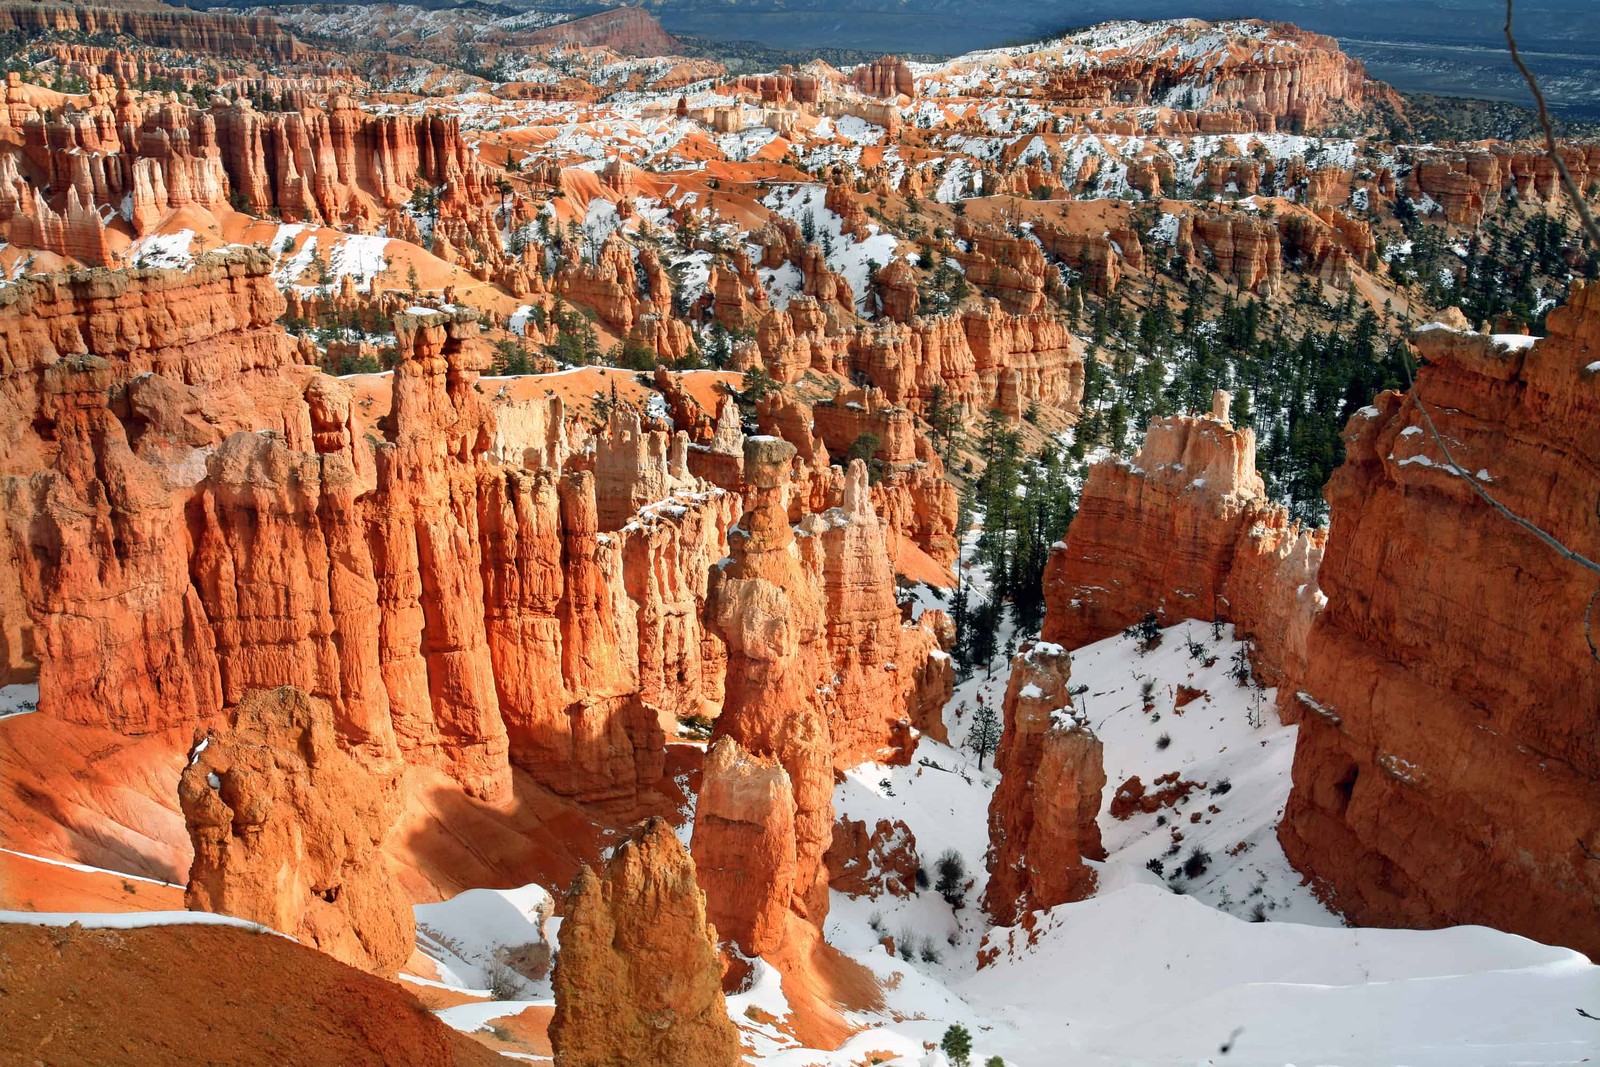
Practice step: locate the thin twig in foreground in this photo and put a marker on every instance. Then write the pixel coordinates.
(1591, 228)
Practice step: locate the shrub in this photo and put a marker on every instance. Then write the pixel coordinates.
(504, 983)
(697, 727)
(1147, 632)
(1258, 914)
(1155, 866)
(926, 950)
(1221, 787)
(1195, 864)
(952, 872)
(1163, 741)
(905, 944)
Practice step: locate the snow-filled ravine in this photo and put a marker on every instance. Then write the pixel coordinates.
(1230, 962)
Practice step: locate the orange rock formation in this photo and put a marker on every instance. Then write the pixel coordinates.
(1185, 531)
(637, 979)
(1042, 817)
(287, 830)
(1447, 769)
(744, 846)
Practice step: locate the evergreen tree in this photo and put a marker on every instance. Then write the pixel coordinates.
(983, 737)
(957, 1045)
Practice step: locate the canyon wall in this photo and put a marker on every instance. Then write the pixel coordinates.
(175, 28)
(195, 516)
(1447, 769)
(1468, 181)
(1281, 79)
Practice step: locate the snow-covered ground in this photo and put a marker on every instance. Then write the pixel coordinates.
(1239, 965)
(18, 699)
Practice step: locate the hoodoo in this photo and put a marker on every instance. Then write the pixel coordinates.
(288, 831)
(624, 558)
(637, 978)
(1042, 818)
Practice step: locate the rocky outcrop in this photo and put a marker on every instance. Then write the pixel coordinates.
(632, 31)
(637, 979)
(479, 597)
(1008, 266)
(864, 863)
(1268, 76)
(143, 157)
(1447, 769)
(744, 846)
(768, 607)
(342, 164)
(288, 830)
(468, 611)
(1042, 817)
(983, 358)
(120, 637)
(887, 76)
(1184, 531)
(1157, 533)
(1470, 180)
(876, 659)
(209, 334)
(184, 358)
(427, 555)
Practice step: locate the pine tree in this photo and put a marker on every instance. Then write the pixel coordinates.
(957, 1045)
(984, 735)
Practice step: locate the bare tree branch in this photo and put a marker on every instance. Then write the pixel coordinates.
(1477, 486)
(1591, 228)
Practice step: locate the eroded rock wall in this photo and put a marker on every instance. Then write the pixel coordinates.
(288, 830)
(1447, 769)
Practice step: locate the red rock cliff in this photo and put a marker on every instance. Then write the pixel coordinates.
(1447, 769)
